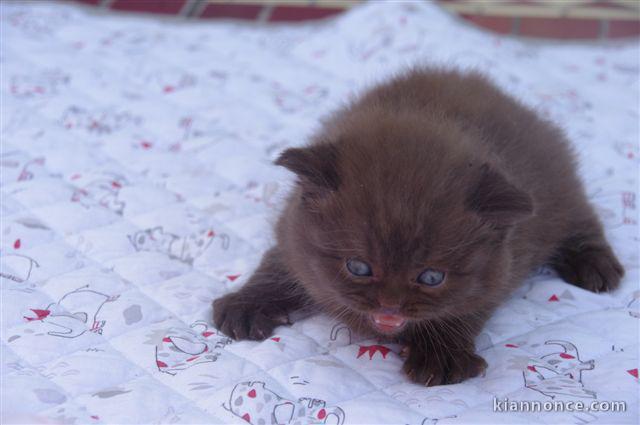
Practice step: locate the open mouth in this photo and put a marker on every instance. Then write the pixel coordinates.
(388, 323)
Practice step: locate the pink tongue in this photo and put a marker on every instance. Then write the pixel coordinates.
(388, 320)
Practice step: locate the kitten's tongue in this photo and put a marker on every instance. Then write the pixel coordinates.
(387, 322)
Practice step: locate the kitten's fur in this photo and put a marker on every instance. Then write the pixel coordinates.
(433, 169)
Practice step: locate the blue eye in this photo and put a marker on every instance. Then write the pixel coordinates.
(431, 277)
(358, 268)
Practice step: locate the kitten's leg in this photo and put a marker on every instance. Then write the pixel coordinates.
(263, 303)
(443, 352)
(585, 258)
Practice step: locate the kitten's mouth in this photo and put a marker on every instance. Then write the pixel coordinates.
(388, 323)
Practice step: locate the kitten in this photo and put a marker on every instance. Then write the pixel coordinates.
(418, 209)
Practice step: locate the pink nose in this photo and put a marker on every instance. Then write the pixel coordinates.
(388, 303)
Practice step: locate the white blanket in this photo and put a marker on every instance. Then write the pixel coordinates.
(137, 186)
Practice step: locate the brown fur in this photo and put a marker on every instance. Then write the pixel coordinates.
(433, 169)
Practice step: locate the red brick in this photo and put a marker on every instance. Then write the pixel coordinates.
(607, 4)
(91, 2)
(559, 28)
(301, 13)
(236, 11)
(500, 24)
(623, 29)
(165, 7)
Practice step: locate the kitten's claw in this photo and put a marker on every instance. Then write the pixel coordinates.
(430, 370)
(239, 318)
(426, 384)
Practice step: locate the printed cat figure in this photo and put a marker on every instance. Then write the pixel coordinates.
(68, 322)
(185, 249)
(559, 373)
(97, 121)
(45, 83)
(258, 405)
(183, 348)
(103, 191)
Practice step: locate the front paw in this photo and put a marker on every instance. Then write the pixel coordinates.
(242, 318)
(598, 270)
(440, 368)
(593, 268)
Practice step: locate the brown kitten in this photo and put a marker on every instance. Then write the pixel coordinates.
(418, 209)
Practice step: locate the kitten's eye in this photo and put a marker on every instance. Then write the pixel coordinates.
(358, 268)
(431, 277)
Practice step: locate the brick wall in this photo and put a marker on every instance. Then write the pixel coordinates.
(558, 19)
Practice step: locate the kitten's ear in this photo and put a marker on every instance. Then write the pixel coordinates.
(315, 165)
(498, 201)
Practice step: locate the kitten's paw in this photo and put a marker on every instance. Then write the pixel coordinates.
(594, 269)
(245, 319)
(430, 370)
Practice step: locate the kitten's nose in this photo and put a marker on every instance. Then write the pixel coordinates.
(389, 303)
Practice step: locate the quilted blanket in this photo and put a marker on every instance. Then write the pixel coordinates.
(137, 185)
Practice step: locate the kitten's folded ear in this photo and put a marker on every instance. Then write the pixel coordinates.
(498, 201)
(315, 165)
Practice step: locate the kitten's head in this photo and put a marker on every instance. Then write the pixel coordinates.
(399, 221)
